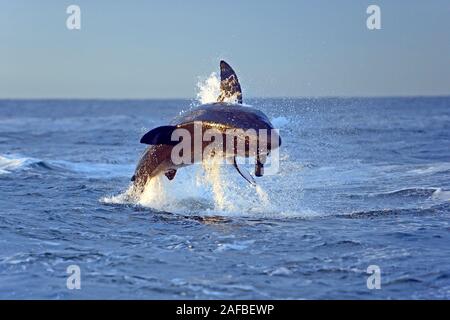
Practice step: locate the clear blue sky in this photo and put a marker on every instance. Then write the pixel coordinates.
(158, 49)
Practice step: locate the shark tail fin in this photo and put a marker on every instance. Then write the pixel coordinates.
(230, 89)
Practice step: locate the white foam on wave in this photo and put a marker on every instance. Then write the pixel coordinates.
(441, 195)
(12, 163)
(432, 168)
(8, 164)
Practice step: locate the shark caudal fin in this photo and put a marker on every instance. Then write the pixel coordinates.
(229, 84)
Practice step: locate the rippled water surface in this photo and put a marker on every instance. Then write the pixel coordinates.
(361, 182)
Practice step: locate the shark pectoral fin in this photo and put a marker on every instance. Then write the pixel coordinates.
(229, 84)
(245, 174)
(160, 135)
(170, 174)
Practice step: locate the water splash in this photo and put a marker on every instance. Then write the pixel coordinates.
(263, 196)
(209, 188)
(208, 89)
(214, 179)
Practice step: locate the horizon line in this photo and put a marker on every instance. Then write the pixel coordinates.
(250, 98)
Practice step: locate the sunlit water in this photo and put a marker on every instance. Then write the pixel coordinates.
(361, 182)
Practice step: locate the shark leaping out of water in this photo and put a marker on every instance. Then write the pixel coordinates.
(237, 131)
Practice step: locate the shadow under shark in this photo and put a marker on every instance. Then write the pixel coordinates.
(238, 131)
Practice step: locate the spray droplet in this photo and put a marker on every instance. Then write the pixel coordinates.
(208, 89)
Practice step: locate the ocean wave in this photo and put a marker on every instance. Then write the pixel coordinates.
(424, 210)
(441, 167)
(413, 193)
(440, 194)
(407, 192)
(12, 163)
(46, 125)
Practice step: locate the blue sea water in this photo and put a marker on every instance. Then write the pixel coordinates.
(362, 181)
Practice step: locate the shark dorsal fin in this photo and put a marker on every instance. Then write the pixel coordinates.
(230, 89)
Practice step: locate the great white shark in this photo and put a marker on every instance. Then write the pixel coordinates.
(233, 125)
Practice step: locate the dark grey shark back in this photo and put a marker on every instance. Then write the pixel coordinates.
(226, 114)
